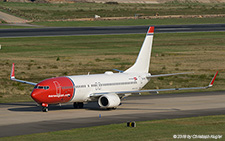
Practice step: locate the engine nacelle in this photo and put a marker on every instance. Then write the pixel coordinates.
(109, 101)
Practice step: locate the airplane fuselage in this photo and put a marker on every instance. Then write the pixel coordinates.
(78, 88)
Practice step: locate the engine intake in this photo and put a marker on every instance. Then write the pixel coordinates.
(109, 101)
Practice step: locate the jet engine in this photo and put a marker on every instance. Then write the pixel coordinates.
(109, 101)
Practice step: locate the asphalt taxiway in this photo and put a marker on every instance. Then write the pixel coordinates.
(27, 118)
(73, 31)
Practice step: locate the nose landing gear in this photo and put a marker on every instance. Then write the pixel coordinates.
(44, 107)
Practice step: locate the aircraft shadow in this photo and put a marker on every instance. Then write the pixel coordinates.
(17, 104)
(32, 107)
(136, 103)
(93, 106)
(171, 109)
(26, 109)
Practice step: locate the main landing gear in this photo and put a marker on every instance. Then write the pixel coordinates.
(78, 105)
(114, 108)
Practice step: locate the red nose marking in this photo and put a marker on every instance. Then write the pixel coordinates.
(53, 91)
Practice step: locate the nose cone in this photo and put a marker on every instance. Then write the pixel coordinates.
(37, 95)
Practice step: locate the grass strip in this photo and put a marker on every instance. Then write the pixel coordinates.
(48, 11)
(147, 130)
(173, 21)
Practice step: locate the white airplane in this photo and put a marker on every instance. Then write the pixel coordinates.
(108, 88)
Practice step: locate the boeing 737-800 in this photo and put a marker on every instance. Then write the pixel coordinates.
(107, 89)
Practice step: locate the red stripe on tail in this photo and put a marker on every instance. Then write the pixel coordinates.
(151, 29)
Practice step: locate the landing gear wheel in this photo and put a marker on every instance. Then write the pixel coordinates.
(45, 109)
(114, 108)
(78, 105)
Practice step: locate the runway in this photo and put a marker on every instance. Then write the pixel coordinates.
(27, 118)
(74, 31)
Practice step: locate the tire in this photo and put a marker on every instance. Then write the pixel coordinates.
(75, 105)
(80, 105)
(45, 109)
(114, 108)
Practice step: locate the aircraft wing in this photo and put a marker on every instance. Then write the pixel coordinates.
(12, 77)
(154, 90)
(160, 75)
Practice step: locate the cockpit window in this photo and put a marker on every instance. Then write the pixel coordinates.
(42, 87)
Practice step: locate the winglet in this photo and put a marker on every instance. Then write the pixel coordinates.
(212, 81)
(12, 76)
(151, 30)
